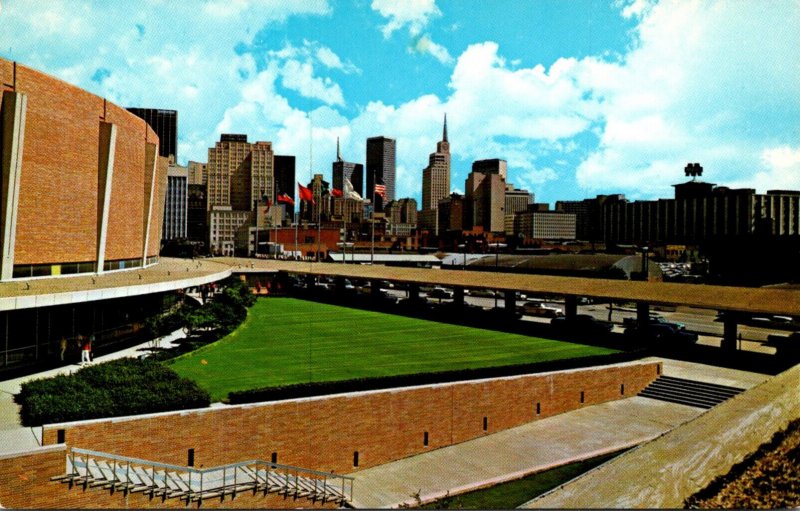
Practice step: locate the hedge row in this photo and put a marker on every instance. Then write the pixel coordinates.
(299, 390)
(120, 387)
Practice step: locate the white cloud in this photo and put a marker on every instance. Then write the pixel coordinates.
(299, 76)
(712, 82)
(415, 14)
(424, 44)
(780, 170)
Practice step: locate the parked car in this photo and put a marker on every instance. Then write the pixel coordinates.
(482, 293)
(440, 292)
(541, 310)
(665, 332)
(581, 324)
(654, 319)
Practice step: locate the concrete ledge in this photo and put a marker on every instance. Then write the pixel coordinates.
(664, 472)
(33, 452)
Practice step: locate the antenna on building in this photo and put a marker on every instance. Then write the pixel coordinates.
(444, 130)
(338, 152)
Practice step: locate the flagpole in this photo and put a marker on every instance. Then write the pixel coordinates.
(372, 241)
(319, 221)
(255, 251)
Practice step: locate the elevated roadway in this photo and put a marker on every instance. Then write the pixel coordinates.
(761, 301)
(768, 301)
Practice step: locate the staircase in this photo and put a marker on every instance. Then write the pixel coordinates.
(689, 392)
(91, 469)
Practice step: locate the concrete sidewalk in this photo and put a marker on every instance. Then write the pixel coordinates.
(536, 446)
(14, 436)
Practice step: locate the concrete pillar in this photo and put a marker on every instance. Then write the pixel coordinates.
(105, 177)
(570, 306)
(374, 287)
(729, 331)
(12, 128)
(458, 296)
(150, 170)
(642, 313)
(338, 285)
(510, 301)
(413, 292)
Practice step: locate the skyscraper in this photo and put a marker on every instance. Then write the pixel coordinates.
(176, 203)
(284, 180)
(240, 174)
(165, 124)
(347, 170)
(485, 195)
(435, 182)
(380, 168)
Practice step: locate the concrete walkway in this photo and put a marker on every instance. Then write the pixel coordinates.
(15, 437)
(536, 446)
(664, 472)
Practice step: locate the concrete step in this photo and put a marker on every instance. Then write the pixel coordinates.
(689, 392)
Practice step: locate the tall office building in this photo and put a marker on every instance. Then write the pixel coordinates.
(197, 214)
(485, 195)
(240, 175)
(197, 173)
(165, 124)
(380, 168)
(347, 170)
(435, 182)
(175, 205)
(285, 182)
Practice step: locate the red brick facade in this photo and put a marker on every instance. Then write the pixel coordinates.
(58, 211)
(323, 433)
(320, 433)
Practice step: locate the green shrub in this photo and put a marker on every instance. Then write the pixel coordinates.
(120, 387)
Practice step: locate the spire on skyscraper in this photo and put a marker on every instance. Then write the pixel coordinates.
(338, 153)
(444, 131)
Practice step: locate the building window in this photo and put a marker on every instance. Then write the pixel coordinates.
(355, 458)
(486, 423)
(622, 389)
(274, 458)
(538, 408)
(425, 439)
(582, 397)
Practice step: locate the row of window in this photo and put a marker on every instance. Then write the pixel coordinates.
(23, 271)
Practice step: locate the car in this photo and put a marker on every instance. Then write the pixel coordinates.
(482, 293)
(541, 310)
(662, 332)
(440, 292)
(654, 319)
(581, 324)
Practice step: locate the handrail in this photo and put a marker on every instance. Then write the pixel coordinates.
(131, 459)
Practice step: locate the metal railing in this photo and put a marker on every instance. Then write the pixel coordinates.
(91, 469)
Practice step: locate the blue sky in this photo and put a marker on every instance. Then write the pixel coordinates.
(580, 97)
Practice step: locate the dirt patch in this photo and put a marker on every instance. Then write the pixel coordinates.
(766, 479)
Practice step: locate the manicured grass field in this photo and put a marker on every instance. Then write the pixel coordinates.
(286, 341)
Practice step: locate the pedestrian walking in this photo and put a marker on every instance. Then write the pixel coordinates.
(86, 354)
(63, 346)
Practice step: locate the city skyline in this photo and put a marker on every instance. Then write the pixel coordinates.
(579, 99)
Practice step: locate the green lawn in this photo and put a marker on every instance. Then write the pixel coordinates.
(515, 493)
(286, 341)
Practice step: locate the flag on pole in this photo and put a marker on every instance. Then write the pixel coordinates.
(284, 198)
(349, 192)
(336, 193)
(380, 190)
(305, 193)
(268, 204)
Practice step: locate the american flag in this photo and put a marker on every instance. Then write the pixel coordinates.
(381, 190)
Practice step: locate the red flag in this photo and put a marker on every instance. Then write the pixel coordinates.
(305, 193)
(381, 190)
(336, 193)
(285, 199)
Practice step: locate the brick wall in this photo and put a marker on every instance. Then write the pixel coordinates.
(323, 433)
(26, 484)
(57, 213)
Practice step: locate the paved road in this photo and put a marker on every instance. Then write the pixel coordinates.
(700, 321)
